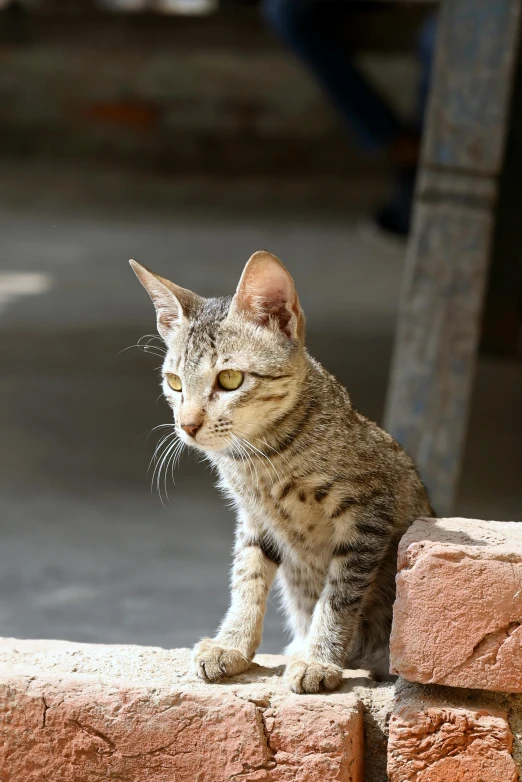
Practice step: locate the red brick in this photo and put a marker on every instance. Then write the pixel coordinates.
(458, 613)
(81, 713)
(435, 738)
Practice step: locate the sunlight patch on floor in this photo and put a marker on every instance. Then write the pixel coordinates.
(13, 285)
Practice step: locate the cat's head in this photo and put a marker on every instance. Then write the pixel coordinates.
(233, 366)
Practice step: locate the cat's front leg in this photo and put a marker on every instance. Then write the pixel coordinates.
(232, 650)
(336, 616)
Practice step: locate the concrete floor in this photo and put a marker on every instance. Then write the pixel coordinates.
(87, 552)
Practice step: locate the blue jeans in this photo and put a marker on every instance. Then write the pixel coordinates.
(313, 30)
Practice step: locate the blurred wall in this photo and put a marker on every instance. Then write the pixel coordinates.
(217, 93)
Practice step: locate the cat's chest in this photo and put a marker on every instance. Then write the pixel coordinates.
(298, 508)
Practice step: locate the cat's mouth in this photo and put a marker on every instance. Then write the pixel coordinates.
(204, 441)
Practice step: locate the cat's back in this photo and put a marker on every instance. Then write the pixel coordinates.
(371, 460)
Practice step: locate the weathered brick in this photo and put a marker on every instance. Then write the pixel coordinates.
(458, 613)
(82, 713)
(439, 735)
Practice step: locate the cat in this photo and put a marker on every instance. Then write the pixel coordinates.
(323, 495)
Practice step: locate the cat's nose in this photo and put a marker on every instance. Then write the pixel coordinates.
(191, 429)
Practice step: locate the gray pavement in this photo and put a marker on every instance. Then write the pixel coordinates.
(87, 552)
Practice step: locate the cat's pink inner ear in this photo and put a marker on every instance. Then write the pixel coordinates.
(266, 290)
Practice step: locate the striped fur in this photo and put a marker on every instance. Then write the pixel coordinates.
(323, 495)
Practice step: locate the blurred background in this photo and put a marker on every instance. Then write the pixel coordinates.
(187, 134)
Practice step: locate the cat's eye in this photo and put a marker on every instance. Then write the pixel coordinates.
(174, 381)
(230, 379)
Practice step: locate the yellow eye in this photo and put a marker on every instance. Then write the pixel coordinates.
(230, 379)
(174, 381)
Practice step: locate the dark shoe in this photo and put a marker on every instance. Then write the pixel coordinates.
(392, 222)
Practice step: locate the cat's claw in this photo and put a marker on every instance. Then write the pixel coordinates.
(212, 662)
(312, 676)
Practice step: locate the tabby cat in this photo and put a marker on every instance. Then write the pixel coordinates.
(323, 495)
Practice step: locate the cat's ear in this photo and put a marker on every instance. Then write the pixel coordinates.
(172, 303)
(266, 294)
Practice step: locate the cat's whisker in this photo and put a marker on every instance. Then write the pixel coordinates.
(161, 426)
(158, 350)
(257, 452)
(165, 466)
(231, 444)
(153, 350)
(151, 338)
(166, 444)
(169, 461)
(166, 454)
(243, 453)
(175, 460)
(259, 439)
(277, 453)
(158, 447)
(240, 445)
(256, 437)
(159, 468)
(150, 342)
(156, 459)
(155, 428)
(244, 456)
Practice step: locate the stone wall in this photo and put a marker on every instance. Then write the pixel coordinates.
(457, 621)
(83, 713)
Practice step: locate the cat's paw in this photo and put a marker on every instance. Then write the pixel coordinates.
(212, 662)
(312, 676)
